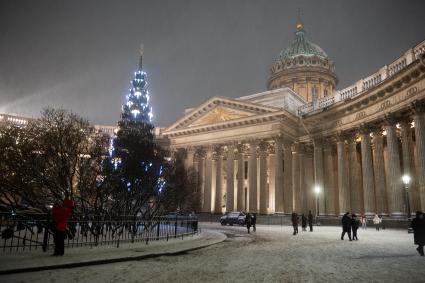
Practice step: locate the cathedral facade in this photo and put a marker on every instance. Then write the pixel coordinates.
(304, 145)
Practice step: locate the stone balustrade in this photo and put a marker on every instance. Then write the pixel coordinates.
(363, 85)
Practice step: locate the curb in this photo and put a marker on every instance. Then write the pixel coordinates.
(106, 261)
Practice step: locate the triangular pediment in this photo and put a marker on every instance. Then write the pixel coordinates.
(219, 110)
(219, 114)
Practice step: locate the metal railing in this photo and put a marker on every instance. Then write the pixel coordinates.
(26, 232)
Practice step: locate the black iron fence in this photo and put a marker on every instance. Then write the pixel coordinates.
(26, 232)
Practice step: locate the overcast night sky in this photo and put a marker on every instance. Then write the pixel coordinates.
(81, 55)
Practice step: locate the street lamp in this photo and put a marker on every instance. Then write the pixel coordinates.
(406, 181)
(317, 191)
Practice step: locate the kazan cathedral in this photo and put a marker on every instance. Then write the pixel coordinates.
(305, 145)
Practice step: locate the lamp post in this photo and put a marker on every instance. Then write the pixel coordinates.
(406, 181)
(317, 191)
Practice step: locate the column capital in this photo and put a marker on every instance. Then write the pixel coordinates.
(365, 129)
(418, 107)
(351, 137)
(200, 152)
(253, 142)
(390, 120)
(341, 136)
(263, 145)
(241, 147)
(318, 140)
(233, 144)
(405, 123)
(218, 149)
(209, 149)
(231, 149)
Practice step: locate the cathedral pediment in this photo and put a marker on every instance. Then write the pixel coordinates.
(220, 110)
(218, 115)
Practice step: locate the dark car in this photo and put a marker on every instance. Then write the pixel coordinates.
(234, 217)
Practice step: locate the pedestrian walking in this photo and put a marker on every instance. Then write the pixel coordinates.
(60, 215)
(304, 222)
(355, 223)
(294, 220)
(248, 221)
(376, 221)
(418, 226)
(346, 226)
(254, 221)
(310, 220)
(363, 220)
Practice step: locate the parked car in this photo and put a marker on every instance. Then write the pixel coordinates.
(234, 217)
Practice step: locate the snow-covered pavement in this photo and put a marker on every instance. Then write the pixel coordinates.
(272, 254)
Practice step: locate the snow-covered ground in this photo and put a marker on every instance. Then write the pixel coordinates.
(272, 254)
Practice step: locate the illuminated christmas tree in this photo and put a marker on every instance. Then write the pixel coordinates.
(136, 158)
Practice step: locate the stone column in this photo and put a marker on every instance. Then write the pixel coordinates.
(318, 174)
(263, 177)
(296, 205)
(218, 180)
(278, 175)
(190, 153)
(287, 178)
(367, 170)
(200, 174)
(355, 173)
(252, 176)
(395, 184)
(379, 171)
(307, 181)
(208, 180)
(302, 180)
(329, 184)
(408, 164)
(343, 180)
(419, 119)
(240, 176)
(230, 180)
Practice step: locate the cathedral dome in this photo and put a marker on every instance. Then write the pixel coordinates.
(305, 68)
(302, 47)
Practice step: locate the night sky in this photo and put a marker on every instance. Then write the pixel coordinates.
(81, 55)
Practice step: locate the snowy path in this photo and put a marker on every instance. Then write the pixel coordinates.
(271, 254)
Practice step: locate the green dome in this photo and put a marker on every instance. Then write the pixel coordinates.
(301, 46)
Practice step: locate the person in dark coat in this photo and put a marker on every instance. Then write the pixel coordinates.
(303, 222)
(254, 221)
(310, 220)
(418, 226)
(355, 224)
(248, 221)
(294, 220)
(346, 226)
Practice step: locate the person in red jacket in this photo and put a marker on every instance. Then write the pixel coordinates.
(60, 215)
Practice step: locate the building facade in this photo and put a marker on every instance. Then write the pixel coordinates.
(267, 151)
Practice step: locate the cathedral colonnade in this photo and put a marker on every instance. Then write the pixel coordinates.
(358, 170)
(304, 145)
